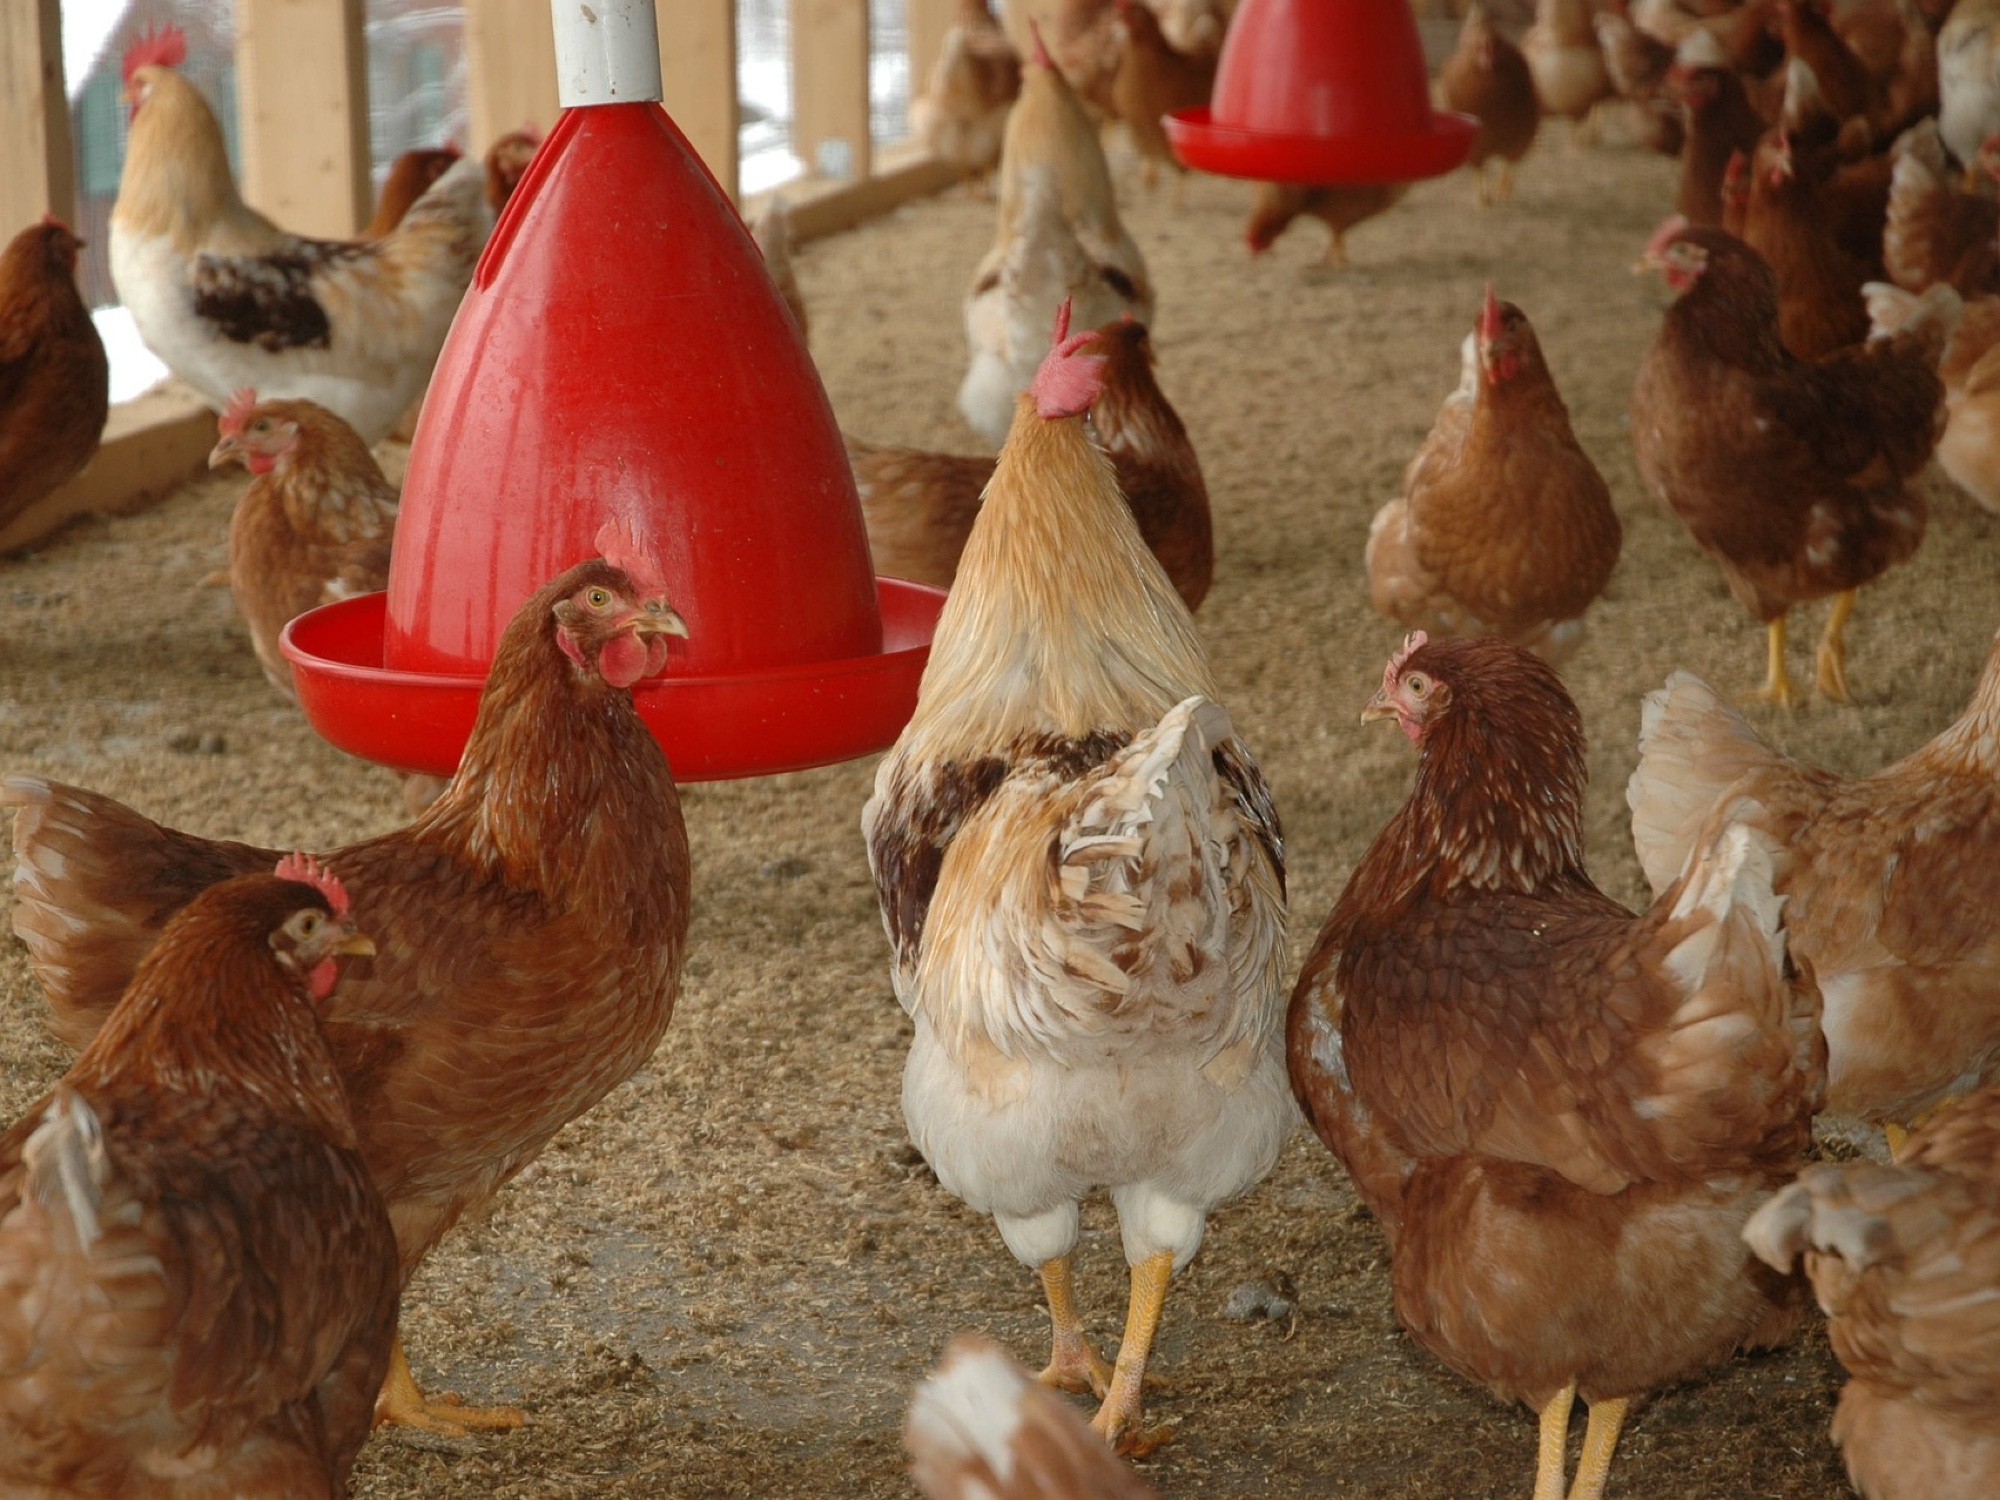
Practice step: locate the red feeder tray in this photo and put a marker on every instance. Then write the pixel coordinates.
(1322, 91)
(622, 355)
(714, 727)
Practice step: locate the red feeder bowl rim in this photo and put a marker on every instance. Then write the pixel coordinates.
(713, 728)
(1271, 156)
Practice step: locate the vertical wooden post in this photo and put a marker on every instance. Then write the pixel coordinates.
(830, 87)
(40, 175)
(698, 76)
(302, 108)
(510, 68)
(925, 22)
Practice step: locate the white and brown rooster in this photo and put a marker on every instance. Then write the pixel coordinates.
(1082, 878)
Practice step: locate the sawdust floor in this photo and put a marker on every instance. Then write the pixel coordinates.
(725, 1279)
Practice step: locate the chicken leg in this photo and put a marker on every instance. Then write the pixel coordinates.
(1117, 1421)
(1777, 686)
(1553, 1452)
(1600, 1437)
(402, 1404)
(1074, 1365)
(1830, 665)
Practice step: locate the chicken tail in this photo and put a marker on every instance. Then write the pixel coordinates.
(67, 1168)
(94, 882)
(979, 1426)
(1692, 747)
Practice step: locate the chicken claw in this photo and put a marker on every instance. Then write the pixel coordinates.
(1074, 1364)
(402, 1404)
(1553, 1453)
(1777, 686)
(1117, 1421)
(1830, 665)
(1607, 1418)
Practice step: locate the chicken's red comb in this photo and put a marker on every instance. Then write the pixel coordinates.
(620, 546)
(1067, 382)
(1414, 642)
(1489, 316)
(237, 412)
(308, 871)
(163, 46)
(1671, 228)
(1042, 58)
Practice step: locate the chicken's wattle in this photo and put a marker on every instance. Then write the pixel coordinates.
(626, 659)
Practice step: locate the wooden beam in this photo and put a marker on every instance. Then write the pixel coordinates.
(302, 108)
(817, 208)
(510, 68)
(830, 131)
(151, 444)
(40, 175)
(698, 75)
(925, 22)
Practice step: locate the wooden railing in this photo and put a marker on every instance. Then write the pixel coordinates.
(302, 108)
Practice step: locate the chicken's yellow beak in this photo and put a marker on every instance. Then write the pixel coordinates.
(359, 944)
(1379, 707)
(657, 617)
(223, 452)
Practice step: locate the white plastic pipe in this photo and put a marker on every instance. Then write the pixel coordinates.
(607, 51)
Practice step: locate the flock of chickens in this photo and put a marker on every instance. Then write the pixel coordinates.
(1553, 1106)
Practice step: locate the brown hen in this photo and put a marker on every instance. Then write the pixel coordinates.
(1339, 206)
(410, 175)
(1154, 79)
(1905, 1260)
(54, 381)
(1720, 120)
(1785, 220)
(1934, 232)
(197, 1278)
(1504, 527)
(919, 506)
(1561, 1113)
(1487, 77)
(528, 924)
(1796, 477)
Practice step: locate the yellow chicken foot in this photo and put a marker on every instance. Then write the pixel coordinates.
(1074, 1365)
(1336, 252)
(1117, 1421)
(1553, 1452)
(1777, 686)
(1898, 1137)
(1600, 1437)
(1506, 189)
(1830, 665)
(1479, 180)
(402, 1404)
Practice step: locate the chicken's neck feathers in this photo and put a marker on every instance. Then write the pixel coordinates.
(1061, 621)
(176, 183)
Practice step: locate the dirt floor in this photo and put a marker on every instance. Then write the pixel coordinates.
(725, 1280)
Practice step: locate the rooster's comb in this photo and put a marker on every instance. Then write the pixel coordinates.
(308, 871)
(164, 46)
(1671, 228)
(1067, 382)
(237, 412)
(1489, 315)
(1042, 58)
(1414, 642)
(620, 546)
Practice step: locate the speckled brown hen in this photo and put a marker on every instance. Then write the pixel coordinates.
(1504, 527)
(1796, 477)
(919, 507)
(197, 1278)
(1082, 879)
(1892, 888)
(528, 924)
(1487, 77)
(316, 524)
(1561, 1113)
(1906, 1262)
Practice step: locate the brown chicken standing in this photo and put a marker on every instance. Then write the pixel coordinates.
(1796, 477)
(1154, 79)
(54, 381)
(409, 176)
(1339, 206)
(961, 114)
(528, 924)
(1720, 120)
(919, 507)
(1561, 1113)
(197, 1277)
(1787, 222)
(1905, 1260)
(316, 524)
(1504, 527)
(1892, 887)
(1486, 77)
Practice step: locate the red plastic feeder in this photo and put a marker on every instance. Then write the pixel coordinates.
(1322, 91)
(622, 354)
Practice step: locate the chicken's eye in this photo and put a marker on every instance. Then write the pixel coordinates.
(308, 923)
(598, 598)
(262, 424)
(1418, 685)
